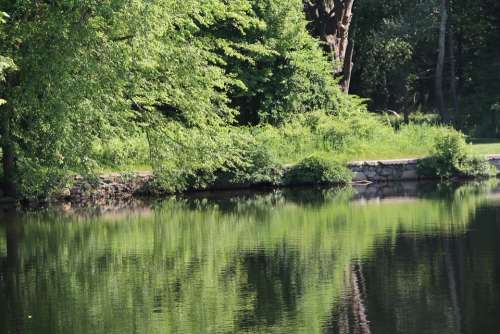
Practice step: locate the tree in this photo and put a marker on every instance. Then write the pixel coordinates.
(453, 67)
(443, 110)
(331, 21)
(460, 56)
(287, 74)
(8, 157)
(179, 71)
(392, 54)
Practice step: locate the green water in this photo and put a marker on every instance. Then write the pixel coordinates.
(416, 260)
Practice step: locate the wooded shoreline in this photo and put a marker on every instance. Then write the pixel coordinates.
(200, 92)
(118, 186)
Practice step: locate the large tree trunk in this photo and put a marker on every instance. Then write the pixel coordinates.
(440, 64)
(8, 153)
(331, 22)
(345, 82)
(453, 71)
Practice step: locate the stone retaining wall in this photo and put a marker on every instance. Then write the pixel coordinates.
(386, 170)
(494, 160)
(122, 186)
(395, 170)
(108, 186)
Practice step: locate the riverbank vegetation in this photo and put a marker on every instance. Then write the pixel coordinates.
(204, 91)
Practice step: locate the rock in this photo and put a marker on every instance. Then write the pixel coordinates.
(409, 175)
(386, 171)
(65, 193)
(399, 162)
(359, 177)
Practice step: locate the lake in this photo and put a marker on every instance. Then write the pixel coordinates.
(407, 258)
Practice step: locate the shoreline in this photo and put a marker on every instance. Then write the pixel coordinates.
(124, 186)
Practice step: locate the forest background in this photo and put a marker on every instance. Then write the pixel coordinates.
(200, 91)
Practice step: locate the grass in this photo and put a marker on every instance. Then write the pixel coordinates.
(389, 154)
(349, 141)
(485, 146)
(342, 139)
(384, 152)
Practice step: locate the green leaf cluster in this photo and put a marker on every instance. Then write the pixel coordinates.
(452, 158)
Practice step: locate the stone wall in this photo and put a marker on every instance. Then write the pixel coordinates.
(494, 160)
(108, 186)
(122, 186)
(394, 170)
(384, 170)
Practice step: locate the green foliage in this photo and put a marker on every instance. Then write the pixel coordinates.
(342, 133)
(6, 63)
(318, 170)
(395, 59)
(356, 136)
(451, 158)
(163, 85)
(475, 166)
(389, 39)
(292, 77)
(122, 153)
(258, 168)
(417, 118)
(41, 183)
(231, 156)
(93, 72)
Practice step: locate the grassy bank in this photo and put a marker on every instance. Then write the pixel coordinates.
(485, 146)
(343, 139)
(308, 149)
(315, 147)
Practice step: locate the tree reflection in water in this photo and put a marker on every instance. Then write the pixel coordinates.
(306, 261)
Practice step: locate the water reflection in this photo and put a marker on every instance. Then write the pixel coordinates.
(367, 260)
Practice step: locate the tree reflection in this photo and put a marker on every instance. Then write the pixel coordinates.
(263, 263)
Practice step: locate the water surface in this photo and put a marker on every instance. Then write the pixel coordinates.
(404, 259)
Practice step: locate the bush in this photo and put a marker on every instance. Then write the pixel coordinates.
(397, 121)
(40, 182)
(346, 133)
(228, 158)
(318, 170)
(122, 152)
(451, 157)
(260, 167)
(476, 167)
(256, 166)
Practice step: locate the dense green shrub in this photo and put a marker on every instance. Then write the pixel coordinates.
(397, 121)
(451, 157)
(40, 183)
(120, 152)
(318, 170)
(345, 133)
(256, 166)
(476, 167)
(260, 167)
(227, 158)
